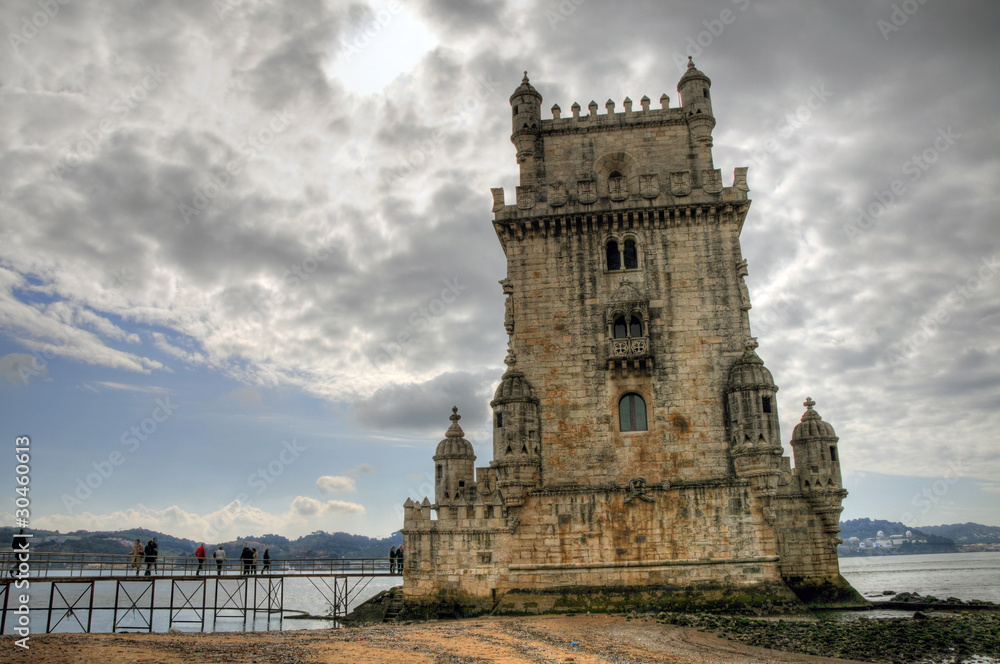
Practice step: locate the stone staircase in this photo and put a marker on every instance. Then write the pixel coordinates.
(395, 605)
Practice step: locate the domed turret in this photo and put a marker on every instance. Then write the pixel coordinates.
(526, 104)
(811, 425)
(753, 408)
(516, 434)
(696, 102)
(515, 416)
(817, 465)
(454, 463)
(694, 90)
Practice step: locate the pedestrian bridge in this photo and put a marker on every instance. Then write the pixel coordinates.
(198, 593)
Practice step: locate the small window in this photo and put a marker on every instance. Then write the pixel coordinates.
(461, 483)
(632, 413)
(515, 109)
(765, 403)
(833, 453)
(634, 328)
(705, 91)
(631, 256)
(499, 420)
(614, 258)
(621, 332)
(440, 471)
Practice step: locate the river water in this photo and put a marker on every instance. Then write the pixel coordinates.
(962, 575)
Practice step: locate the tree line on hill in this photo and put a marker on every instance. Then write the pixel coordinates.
(318, 544)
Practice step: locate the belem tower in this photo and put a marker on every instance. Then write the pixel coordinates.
(637, 458)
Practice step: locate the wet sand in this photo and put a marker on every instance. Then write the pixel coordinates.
(600, 638)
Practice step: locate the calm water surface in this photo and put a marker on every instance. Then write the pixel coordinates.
(962, 575)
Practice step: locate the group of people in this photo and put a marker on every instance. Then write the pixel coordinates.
(148, 555)
(145, 554)
(396, 560)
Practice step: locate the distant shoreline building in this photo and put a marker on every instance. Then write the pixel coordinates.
(637, 457)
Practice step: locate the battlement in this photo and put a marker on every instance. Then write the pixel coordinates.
(643, 115)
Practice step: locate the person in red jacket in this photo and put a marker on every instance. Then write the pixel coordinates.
(200, 554)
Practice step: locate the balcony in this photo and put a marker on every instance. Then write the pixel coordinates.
(628, 348)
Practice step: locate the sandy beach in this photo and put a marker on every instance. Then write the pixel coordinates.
(600, 638)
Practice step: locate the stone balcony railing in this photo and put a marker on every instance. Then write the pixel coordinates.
(634, 347)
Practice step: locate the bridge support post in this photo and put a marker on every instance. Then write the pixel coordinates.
(71, 607)
(134, 592)
(188, 603)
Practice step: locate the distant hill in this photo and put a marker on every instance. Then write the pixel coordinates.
(966, 533)
(318, 544)
(894, 532)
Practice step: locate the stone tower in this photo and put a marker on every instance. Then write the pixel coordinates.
(636, 443)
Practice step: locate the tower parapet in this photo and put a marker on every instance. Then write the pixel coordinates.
(640, 159)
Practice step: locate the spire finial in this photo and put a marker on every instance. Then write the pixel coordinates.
(454, 431)
(809, 403)
(525, 79)
(690, 64)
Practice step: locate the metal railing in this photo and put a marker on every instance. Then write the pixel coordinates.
(91, 565)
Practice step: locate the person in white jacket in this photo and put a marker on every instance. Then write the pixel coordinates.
(220, 558)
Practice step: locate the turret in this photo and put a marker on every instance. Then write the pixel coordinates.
(696, 102)
(454, 465)
(817, 465)
(516, 435)
(526, 107)
(752, 406)
(754, 431)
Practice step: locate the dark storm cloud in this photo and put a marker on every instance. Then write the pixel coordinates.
(424, 408)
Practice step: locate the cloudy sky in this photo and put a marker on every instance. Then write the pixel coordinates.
(247, 262)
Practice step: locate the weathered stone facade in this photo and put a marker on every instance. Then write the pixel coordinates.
(636, 444)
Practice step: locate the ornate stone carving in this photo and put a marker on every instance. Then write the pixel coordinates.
(508, 314)
(498, 203)
(741, 272)
(617, 188)
(637, 488)
(740, 178)
(586, 191)
(680, 183)
(557, 194)
(526, 197)
(649, 185)
(713, 181)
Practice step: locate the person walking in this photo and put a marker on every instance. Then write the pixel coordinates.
(200, 554)
(399, 559)
(150, 554)
(137, 554)
(245, 557)
(255, 561)
(220, 559)
(392, 560)
(266, 569)
(156, 552)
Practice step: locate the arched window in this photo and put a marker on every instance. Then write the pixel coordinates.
(634, 328)
(614, 258)
(632, 413)
(631, 257)
(621, 331)
(627, 328)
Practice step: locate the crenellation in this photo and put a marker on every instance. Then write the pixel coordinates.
(635, 429)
